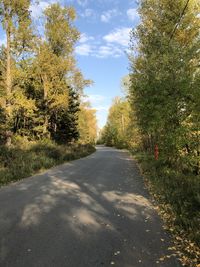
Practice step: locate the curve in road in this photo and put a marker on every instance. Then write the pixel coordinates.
(87, 213)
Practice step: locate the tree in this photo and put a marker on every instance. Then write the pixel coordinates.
(16, 22)
(52, 64)
(163, 84)
(67, 122)
(120, 130)
(40, 84)
(87, 124)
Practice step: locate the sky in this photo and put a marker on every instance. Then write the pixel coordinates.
(101, 51)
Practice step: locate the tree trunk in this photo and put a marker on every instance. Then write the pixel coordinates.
(55, 123)
(46, 121)
(8, 83)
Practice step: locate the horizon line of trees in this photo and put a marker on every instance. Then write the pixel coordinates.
(41, 87)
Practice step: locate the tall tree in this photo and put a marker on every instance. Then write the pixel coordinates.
(87, 124)
(67, 121)
(120, 130)
(16, 22)
(55, 65)
(163, 82)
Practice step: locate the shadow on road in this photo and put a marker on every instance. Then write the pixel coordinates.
(91, 212)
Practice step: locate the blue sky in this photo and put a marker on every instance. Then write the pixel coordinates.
(104, 26)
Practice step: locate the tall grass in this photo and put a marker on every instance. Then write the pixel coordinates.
(178, 196)
(181, 191)
(23, 160)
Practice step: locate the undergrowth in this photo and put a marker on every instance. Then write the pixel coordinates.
(177, 196)
(23, 160)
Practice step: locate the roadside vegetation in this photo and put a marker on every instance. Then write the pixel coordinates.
(23, 161)
(158, 120)
(17, 163)
(44, 119)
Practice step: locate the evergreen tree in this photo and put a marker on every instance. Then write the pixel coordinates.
(67, 122)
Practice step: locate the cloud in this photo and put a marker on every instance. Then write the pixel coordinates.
(119, 36)
(132, 14)
(112, 45)
(97, 101)
(84, 49)
(103, 47)
(108, 51)
(85, 38)
(88, 13)
(82, 3)
(37, 9)
(102, 51)
(106, 16)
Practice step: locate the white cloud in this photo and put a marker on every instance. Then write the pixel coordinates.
(85, 38)
(112, 45)
(82, 3)
(97, 102)
(88, 13)
(109, 51)
(37, 9)
(119, 36)
(102, 51)
(106, 16)
(132, 14)
(84, 49)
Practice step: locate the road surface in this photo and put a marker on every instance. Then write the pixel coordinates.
(91, 212)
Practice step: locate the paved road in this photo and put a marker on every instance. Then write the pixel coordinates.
(91, 212)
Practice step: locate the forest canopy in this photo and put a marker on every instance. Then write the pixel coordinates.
(41, 86)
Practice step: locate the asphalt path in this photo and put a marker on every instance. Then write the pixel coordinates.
(90, 212)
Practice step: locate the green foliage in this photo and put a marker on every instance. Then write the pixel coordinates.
(164, 96)
(120, 130)
(60, 32)
(162, 108)
(165, 80)
(87, 124)
(176, 193)
(40, 84)
(67, 121)
(40, 91)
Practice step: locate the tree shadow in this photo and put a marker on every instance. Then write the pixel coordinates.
(91, 212)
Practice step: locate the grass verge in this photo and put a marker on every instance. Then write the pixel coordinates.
(20, 161)
(177, 197)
